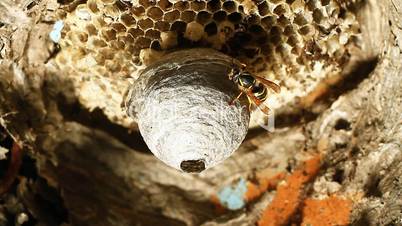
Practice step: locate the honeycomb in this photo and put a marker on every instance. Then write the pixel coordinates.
(297, 43)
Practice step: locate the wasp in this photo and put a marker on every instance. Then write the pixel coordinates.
(255, 87)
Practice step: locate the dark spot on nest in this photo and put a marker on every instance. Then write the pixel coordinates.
(193, 166)
(342, 124)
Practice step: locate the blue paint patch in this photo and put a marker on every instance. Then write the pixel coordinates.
(55, 34)
(233, 198)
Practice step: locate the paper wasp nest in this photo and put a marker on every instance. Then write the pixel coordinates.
(296, 43)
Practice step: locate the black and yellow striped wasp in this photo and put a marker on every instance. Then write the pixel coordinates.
(255, 87)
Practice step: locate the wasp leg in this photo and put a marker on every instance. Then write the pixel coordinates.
(232, 102)
(257, 102)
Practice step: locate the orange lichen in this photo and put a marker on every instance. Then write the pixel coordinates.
(288, 196)
(328, 212)
(219, 208)
(263, 184)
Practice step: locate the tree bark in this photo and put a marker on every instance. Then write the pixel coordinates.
(81, 169)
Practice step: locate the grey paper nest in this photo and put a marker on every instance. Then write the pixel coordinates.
(181, 104)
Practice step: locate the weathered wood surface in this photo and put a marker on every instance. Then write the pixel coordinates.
(83, 170)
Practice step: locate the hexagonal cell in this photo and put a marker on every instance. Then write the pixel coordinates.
(118, 27)
(235, 17)
(300, 20)
(289, 30)
(142, 42)
(306, 30)
(198, 5)
(165, 5)
(134, 50)
(127, 19)
(296, 50)
(123, 5)
(98, 22)
(135, 32)
(171, 16)
(96, 42)
(107, 53)
(138, 11)
(145, 23)
(280, 9)
(229, 6)
(293, 40)
(111, 11)
(311, 5)
(108, 34)
(263, 8)
(100, 59)
(127, 39)
(317, 15)
(117, 44)
(213, 5)
(152, 34)
(91, 29)
(268, 22)
(276, 31)
(178, 26)
(112, 65)
(147, 3)
(161, 26)
(155, 13)
(187, 16)
(219, 16)
(283, 21)
(252, 19)
(92, 6)
(181, 5)
(203, 17)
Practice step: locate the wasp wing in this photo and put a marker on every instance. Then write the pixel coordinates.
(275, 87)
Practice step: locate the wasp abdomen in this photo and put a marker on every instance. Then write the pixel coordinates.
(260, 91)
